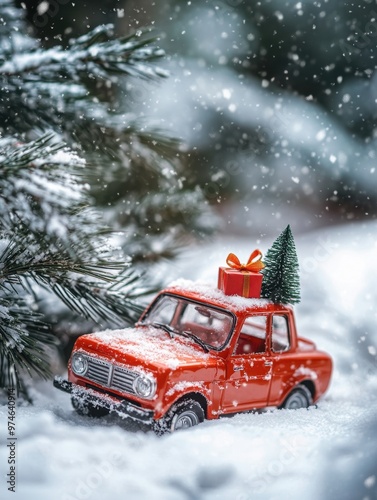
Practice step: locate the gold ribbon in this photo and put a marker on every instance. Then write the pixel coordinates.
(254, 264)
(246, 285)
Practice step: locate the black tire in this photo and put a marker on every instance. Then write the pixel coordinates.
(300, 397)
(182, 415)
(87, 409)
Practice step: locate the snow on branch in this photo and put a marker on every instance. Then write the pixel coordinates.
(96, 54)
(40, 185)
(23, 341)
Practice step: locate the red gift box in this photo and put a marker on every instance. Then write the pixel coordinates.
(242, 279)
(244, 283)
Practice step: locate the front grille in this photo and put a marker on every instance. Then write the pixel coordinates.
(111, 376)
(122, 380)
(98, 371)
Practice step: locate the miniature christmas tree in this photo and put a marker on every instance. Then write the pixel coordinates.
(281, 282)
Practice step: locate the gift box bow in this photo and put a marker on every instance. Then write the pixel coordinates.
(254, 264)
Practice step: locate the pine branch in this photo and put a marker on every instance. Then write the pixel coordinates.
(156, 207)
(96, 54)
(41, 191)
(109, 297)
(59, 271)
(97, 303)
(44, 86)
(23, 340)
(33, 261)
(116, 135)
(131, 154)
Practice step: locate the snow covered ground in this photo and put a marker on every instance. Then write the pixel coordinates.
(329, 452)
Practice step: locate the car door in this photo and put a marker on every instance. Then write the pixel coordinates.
(281, 343)
(249, 368)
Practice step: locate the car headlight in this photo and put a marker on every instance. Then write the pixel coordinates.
(79, 364)
(144, 386)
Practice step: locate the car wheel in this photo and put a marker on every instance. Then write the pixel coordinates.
(300, 397)
(182, 415)
(86, 409)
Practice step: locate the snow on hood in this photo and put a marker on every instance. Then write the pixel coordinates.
(149, 345)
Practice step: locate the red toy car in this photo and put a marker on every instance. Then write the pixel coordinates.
(197, 354)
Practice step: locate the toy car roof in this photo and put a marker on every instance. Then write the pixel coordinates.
(204, 292)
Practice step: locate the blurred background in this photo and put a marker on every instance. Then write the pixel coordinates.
(274, 102)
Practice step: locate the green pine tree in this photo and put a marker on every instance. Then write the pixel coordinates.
(75, 168)
(281, 282)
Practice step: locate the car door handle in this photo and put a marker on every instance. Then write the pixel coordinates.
(268, 363)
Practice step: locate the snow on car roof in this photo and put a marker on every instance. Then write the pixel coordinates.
(207, 292)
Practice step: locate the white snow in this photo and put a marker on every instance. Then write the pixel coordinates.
(323, 453)
(210, 291)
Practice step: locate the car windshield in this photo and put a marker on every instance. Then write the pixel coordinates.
(209, 326)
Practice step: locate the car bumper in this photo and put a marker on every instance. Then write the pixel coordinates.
(124, 409)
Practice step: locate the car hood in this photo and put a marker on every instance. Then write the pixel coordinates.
(146, 347)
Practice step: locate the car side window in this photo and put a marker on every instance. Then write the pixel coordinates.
(252, 337)
(280, 333)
